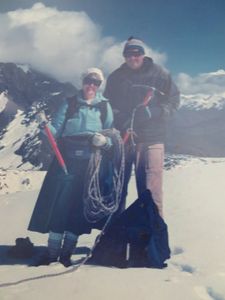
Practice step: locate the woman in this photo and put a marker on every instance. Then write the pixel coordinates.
(59, 207)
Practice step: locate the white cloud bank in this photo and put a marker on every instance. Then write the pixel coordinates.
(65, 43)
(61, 43)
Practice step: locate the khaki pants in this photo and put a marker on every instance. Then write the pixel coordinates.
(149, 171)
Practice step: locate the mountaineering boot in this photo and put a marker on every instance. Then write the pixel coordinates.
(54, 246)
(53, 250)
(69, 243)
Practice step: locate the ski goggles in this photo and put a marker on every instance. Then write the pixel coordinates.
(128, 54)
(89, 81)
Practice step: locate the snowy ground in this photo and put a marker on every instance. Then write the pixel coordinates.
(194, 211)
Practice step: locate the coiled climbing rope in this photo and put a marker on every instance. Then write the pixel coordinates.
(104, 181)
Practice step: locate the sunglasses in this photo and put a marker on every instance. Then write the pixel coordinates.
(132, 53)
(90, 81)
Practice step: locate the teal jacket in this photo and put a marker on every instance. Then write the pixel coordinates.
(87, 119)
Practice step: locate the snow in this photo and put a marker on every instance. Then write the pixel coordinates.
(200, 101)
(194, 211)
(205, 91)
(24, 67)
(56, 93)
(12, 181)
(3, 101)
(16, 128)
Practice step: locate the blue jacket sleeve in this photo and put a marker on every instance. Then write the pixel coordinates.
(58, 119)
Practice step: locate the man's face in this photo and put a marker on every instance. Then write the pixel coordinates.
(134, 60)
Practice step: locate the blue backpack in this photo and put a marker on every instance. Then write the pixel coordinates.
(136, 238)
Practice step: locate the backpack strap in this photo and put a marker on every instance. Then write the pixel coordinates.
(72, 107)
(103, 110)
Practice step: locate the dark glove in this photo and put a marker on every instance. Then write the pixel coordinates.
(167, 111)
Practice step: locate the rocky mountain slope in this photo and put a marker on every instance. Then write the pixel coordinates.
(198, 128)
(22, 92)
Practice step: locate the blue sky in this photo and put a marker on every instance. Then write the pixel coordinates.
(190, 32)
(63, 38)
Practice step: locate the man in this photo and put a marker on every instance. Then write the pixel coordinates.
(143, 96)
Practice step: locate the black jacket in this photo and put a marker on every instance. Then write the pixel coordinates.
(126, 89)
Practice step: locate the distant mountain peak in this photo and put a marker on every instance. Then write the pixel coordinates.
(198, 128)
(202, 101)
(26, 68)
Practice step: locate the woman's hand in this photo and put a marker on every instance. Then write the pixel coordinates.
(99, 140)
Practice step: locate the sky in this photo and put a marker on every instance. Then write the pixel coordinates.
(65, 37)
(194, 212)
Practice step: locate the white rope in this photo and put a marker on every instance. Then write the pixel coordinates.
(97, 205)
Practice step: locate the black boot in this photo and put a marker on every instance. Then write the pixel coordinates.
(69, 244)
(66, 261)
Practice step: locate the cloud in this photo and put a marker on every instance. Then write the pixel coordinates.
(205, 83)
(65, 43)
(112, 56)
(60, 43)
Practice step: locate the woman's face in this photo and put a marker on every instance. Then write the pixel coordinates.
(90, 87)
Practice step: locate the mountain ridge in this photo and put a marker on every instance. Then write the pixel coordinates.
(197, 128)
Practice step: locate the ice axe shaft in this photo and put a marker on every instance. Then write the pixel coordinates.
(147, 98)
(145, 102)
(55, 149)
(126, 136)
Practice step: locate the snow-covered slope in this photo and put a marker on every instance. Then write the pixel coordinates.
(194, 211)
(3, 101)
(15, 134)
(202, 101)
(198, 128)
(12, 181)
(22, 91)
(208, 91)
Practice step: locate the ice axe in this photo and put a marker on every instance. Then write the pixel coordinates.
(55, 148)
(40, 116)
